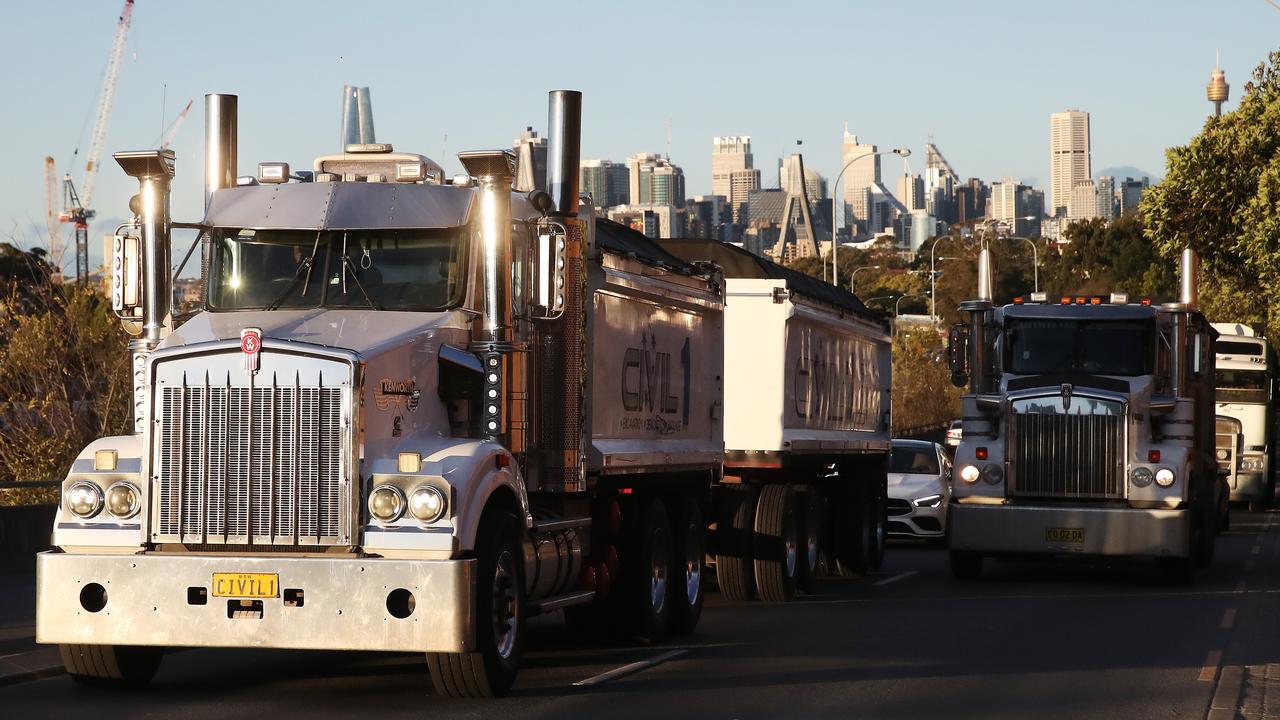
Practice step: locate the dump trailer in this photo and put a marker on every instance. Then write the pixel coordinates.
(413, 411)
(807, 427)
(1088, 429)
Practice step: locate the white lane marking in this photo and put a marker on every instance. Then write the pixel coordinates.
(630, 668)
(895, 578)
(1210, 669)
(1239, 588)
(593, 652)
(1065, 596)
(1228, 619)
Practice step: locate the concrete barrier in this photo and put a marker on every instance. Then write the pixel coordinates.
(24, 531)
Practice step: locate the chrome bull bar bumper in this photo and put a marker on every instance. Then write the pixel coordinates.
(1055, 529)
(154, 600)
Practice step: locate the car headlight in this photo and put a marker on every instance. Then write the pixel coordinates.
(386, 503)
(427, 503)
(1140, 476)
(928, 501)
(84, 499)
(1164, 477)
(992, 474)
(123, 500)
(969, 474)
(1252, 464)
(1223, 454)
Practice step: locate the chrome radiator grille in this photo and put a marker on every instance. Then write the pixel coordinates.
(249, 465)
(1060, 455)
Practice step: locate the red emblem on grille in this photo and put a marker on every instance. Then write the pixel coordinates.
(251, 345)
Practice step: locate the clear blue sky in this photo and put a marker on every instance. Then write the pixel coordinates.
(982, 77)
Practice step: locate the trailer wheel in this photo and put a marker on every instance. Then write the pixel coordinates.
(107, 665)
(853, 532)
(878, 523)
(965, 565)
(735, 528)
(812, 533)
(689, 547)
(651, 573)
(777, 555)
(491, 671)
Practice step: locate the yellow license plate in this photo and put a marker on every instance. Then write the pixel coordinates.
(246, 585)
(1071, 535)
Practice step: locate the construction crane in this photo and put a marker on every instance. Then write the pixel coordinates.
(76, 208)
(167, 137)
(53, 209)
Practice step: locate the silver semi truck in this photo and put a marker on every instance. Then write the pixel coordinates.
(413, 411)
(1088, 429)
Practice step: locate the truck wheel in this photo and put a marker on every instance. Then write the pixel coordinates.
(735, 528)
(878, 525)
(106, 665)
(651, 573)
(688, 555)
(965, 565)
(811, 534)
(853, 533)
(491, 670)
(777, 556)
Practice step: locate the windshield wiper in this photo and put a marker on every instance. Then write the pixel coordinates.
(306, 265)
(348, 265)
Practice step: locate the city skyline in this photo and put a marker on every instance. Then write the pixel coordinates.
(479, 103)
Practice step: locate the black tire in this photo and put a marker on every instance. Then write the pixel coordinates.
(965, 565)
(491, 670)
(777, 556)
(688, 556)
(852, 530)
(111, 665)
(735, 531)
(650, 574)
(878, 522)
(812, 532)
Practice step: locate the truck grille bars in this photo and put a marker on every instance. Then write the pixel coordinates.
(1068, 456)
(249, 465)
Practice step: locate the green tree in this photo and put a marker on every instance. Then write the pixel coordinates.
(1104, 257)
(1221, 197)
(922, 390)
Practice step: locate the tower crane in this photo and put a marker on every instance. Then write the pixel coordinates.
(52, 202)
(76, 208)
(167, 138)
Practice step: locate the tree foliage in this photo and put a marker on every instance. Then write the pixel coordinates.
(1221, 197)
(922, 390)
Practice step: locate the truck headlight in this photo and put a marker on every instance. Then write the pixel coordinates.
(123, 500)
(84, 499)
(1164, 477)
(1223, 454)
(427, 503)
(1252, 464)
(386, 503)
(969, 474)
(928, 501)
(992, 474)
(1140, 476)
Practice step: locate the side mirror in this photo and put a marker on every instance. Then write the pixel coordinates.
(126, 281)
(958, 354)
(549, 275)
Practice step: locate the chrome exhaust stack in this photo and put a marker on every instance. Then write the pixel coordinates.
(219, 143)
(985, 281)
(564, 147)
(1189, 290)
(357, 116)
(154, 171)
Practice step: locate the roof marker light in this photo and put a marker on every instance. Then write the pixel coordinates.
(1039, 297)
(273, 173)
(1095, 301)
(1119, 299)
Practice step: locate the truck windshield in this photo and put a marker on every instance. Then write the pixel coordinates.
(1094, 347)
(378, 269)
(1242, 386)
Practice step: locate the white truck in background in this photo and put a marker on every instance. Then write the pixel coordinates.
(1245, 390)
(416, 410)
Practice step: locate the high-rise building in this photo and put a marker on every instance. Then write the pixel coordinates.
(741, 185)
(1107, 197)
(1130, 193)
(1069, 159)
(653, 180)
(531, 158)
(911, 191)
(971, 201)
(707, 216)
(858, 179)
(607, 182)
(731, 155)
(1083, 204)
(1018, 207)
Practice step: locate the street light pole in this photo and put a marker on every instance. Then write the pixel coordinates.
(855, 273)
(933, 278)
(835, 201)
(897, 305)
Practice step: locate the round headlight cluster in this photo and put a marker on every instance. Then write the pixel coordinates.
(1252, 464)
(1140, 477)
(1164, 477)
(386, 503)
(427, 503)
(84, 499)
(992, 474)
(123, 500)
(1223, 454)
(970, 474)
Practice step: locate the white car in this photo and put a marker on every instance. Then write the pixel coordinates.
(919, 490)
(954, 430)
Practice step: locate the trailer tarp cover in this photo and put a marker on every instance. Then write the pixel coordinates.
(738, 263)
(621, 240)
